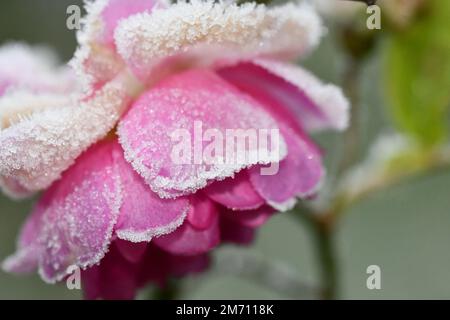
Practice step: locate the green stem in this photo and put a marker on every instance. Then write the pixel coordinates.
(322, 229)
(323, 224)
(327, 260)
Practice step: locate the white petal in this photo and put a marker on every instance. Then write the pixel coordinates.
(33, 68)
(93, 62)
(35, 151)
(18, 105)
(96, 60)
(213, 30)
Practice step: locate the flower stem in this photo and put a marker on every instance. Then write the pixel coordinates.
(327, 258)
(322, 229)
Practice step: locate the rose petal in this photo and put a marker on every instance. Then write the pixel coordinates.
(35, 151)
(18, 105)
(72, 224)
(203, 32)
(34, 68)
(300, 174)
(187, 104)
(292, 93)
(236, 193)
(187, 240)
(96, 61)
(114, 279)
(250, 218)
(233, 232)
(202, 212)
(133, 252)
(12, 188)
(155, 267)
(91, 283)
(159, 265)
(143, 214)
(116, 10)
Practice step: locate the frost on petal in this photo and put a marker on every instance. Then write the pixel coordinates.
(236, 193)
(300, 173)
(38, 148)
(179, 111)
(117, 10)
(190, 241)
(203, 32)
(73, 222)
(33, 68)
(18, 105)
(11, 188)
(200, 232)
(96, 61)
(143, 214)
(24, 260)
(294, 94)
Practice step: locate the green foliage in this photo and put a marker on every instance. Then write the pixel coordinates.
(417, 69)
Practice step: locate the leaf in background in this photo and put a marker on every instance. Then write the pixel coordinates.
(418, 74)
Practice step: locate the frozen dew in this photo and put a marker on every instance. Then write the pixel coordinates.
(207, 31)
(36, 150)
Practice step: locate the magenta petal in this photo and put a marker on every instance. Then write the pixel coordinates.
(155, 267)
(202, 213)
(133, 252)
(187, 240)
(236, 193)
(158, 123)
(91, 283)
(292, 94)
(114, 279)
(234, 232)
(97, 60)
(117, 10)
(72, 224)
(159, 265)
(300, 174)
(26, 258)
(77, 224)
(143, 214)
(250, 218)
(118, 278)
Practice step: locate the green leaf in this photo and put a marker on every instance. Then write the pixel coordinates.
(418, 75)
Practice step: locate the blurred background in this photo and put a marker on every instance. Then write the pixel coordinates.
(404, 229)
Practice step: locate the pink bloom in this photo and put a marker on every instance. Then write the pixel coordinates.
(115, 204)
